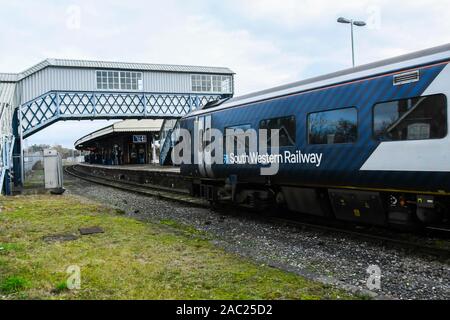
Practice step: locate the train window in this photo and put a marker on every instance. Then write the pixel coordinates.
(411, 119)
(333, 127)
(241, 138)
(286, 127)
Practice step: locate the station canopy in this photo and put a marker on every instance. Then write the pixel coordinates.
(126, 126)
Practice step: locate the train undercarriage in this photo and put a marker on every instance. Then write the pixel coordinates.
(404, 210)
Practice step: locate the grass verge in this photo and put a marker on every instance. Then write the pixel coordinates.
(130, 260)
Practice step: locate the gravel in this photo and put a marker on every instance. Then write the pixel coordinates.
(328, 257)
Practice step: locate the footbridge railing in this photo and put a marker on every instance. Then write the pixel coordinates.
(68, 105)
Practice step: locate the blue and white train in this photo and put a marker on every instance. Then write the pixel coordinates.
(380, 130)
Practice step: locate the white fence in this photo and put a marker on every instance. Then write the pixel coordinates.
(30, 161)
(73, 160)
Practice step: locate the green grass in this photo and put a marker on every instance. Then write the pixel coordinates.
(13, 284)
(7, 247)
(60, 287)
(187, 230)
(131, 260)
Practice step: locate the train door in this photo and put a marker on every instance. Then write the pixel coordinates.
(204, 127)
(207, 152)
(199, 144)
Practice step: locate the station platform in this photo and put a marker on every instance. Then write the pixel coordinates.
(151, 175)
(135, 167)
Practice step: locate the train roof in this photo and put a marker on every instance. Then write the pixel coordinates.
(410, 60)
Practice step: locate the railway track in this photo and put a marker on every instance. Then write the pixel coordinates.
(438, 247)
(147, 189)
(388, 241)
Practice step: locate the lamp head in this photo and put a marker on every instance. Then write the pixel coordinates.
(343, 20)
(359, 23)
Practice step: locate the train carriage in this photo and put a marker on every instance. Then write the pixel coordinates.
(368, 144)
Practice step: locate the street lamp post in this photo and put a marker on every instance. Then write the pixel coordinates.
(352, 23)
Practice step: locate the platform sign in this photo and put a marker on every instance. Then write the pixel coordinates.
(139, 139)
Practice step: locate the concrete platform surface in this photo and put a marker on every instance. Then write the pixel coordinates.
(135, 167)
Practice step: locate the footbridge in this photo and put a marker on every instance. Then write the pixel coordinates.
(59, 89)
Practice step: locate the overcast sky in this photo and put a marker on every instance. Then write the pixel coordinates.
(266, 42)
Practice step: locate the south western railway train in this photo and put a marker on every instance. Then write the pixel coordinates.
(380, 131)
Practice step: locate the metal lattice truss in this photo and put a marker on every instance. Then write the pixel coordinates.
(59, 105)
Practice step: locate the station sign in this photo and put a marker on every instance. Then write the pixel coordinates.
(139, 139)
